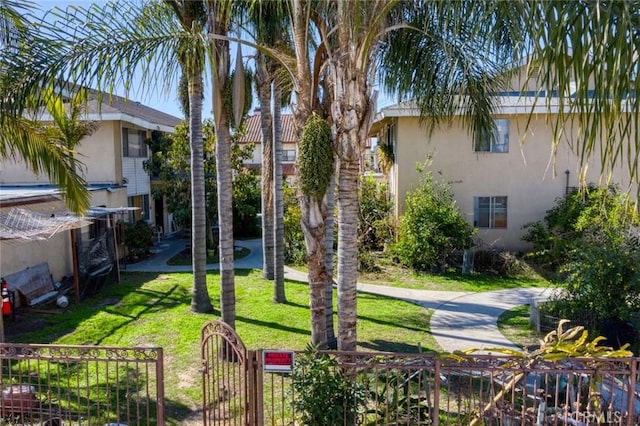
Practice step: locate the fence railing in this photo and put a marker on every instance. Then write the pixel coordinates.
(53, 385)
(428, 389)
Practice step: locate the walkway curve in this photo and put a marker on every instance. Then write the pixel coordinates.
(461, 320)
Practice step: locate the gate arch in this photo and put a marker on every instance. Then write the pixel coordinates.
(225, 386)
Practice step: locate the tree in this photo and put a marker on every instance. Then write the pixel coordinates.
(432, 228)
(23, 138)
(219, 16)
(436, 44)
(111, 45)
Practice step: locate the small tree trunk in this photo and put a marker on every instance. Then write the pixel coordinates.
(266, 121)
(332, 341)
(347, 254)
(278, 242)
(200, 301)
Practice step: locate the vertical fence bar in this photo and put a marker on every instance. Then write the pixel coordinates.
(631, 412)
(436, 393)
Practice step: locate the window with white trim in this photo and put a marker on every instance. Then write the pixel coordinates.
(133, 144)
(490, 212)
(498, 141)
(289, 155)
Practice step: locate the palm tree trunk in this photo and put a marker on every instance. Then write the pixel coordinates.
(219, 25)
(347, 253)
(278, 242)
(314, 235)
(312, 211)
(332, 341)
(266, 123)
(200, 301)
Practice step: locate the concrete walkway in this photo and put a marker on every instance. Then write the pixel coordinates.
(461, 320)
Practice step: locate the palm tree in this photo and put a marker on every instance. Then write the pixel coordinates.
(191, 56)
(264, 84)
(588, 53)
(113, 45)
(449, 37)
(219, 23)
(268, 22)
(19, 137)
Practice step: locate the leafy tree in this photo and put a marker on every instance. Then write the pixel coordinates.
(172, 166)
(375, 220)
(591, 239)
(594, 215)
(432, 227)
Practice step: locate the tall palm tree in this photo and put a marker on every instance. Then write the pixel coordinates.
(264, 84)
(268, 22)
(113, 45)
(219, 25)
(191, 56)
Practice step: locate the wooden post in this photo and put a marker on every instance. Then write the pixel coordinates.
(74, 256)
(112, 222)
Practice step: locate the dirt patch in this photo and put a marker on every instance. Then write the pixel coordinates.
(22, 324)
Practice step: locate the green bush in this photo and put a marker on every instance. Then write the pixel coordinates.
(375, 221)
(295, 252)
(323, 393)
(582, 218)
(590, 240)
(138, 237)
(432, 228)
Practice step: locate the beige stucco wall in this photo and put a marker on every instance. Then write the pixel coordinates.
(99, 153)
(525, 174)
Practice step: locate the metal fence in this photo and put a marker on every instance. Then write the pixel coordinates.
(52, 385)
(386, 389)
(260, 387)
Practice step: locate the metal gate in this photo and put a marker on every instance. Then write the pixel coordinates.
(228, 377)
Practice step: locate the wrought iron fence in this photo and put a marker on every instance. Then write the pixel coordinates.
(52, 385)
(429, 389)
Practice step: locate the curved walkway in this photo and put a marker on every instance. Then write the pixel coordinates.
(461, 320)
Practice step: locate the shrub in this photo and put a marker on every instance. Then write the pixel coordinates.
(323, 393)
(295, 252)
(138, 237)
(375, 221)
(432, 228)
(590, 240)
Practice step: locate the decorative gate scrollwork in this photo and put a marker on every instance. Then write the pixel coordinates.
(225, 383)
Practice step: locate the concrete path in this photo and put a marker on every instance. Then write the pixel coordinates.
(461, 320)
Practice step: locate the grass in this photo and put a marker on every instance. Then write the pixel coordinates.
(184, 257)
(514, 325)
(153, 310)
(391, 274)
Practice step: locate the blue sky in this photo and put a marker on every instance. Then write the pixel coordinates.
(166, 102)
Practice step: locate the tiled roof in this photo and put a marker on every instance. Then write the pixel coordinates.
(288, 169)
(118, 104)
(254, 130)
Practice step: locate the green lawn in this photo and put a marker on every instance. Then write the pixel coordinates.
(184, 258)
(514, 325)
(152, 310)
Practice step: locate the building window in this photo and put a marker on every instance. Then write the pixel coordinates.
(133, 144)
(498, 141)
(490, 212)
(143, 212)
(289, 155)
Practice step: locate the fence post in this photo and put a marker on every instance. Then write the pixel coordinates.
(160, 386)
(255, 416)
(435, 412)
(632, 393)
